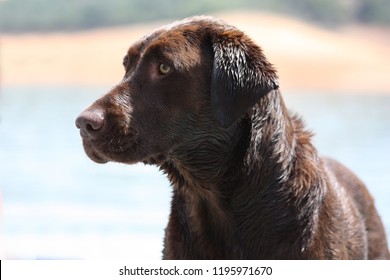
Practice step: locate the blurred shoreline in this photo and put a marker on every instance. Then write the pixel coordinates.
(352, 59)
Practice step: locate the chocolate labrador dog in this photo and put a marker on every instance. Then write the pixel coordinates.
(200, 100)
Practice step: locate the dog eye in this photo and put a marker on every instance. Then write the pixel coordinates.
(164, 69)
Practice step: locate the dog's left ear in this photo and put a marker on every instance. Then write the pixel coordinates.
(241, 75)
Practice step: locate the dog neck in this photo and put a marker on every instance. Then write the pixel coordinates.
(258, 157)
(203, 165)
(269, 141)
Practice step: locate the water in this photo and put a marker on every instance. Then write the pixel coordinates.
(59, 204)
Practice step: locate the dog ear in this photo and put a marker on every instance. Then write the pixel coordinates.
(241, 75)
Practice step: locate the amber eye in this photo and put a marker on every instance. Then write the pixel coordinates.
(164, 69)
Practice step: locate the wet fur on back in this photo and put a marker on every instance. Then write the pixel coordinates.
(247, 182)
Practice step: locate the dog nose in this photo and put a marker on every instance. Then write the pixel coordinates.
(90, 123)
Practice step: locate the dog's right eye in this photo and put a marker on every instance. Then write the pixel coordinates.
(164, 69)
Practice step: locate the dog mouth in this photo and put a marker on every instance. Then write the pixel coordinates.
(98, 158)
(93, 153)
(116, 144)
(103, 152)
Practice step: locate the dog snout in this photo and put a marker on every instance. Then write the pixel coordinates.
(90, 123)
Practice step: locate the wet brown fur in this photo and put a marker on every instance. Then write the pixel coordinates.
(247, 182)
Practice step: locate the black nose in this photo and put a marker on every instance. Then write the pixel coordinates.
(90, 123)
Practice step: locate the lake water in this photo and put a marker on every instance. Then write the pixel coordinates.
(59, 204)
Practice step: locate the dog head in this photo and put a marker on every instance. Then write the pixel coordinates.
(186, 81)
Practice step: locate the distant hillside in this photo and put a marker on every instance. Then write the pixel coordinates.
(307, 57)
(49, 15)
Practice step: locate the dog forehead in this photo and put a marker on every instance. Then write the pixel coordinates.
(178, 40)
(192, 24)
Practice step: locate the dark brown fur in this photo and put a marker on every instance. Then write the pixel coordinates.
(247, 182)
